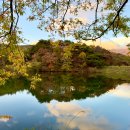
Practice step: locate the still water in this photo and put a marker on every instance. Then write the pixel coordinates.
(65, 102)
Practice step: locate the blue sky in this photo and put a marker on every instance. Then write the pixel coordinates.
(31, 33)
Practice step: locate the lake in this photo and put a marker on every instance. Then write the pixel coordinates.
(65, 102)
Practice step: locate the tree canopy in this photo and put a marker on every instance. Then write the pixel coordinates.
(62, 17)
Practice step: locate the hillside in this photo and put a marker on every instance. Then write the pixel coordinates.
(68, 56)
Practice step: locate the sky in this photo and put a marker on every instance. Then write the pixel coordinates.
(33, 34)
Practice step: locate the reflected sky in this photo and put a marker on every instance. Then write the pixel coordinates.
(122, 91)
(110, 111)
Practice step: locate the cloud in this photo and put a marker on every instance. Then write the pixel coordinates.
(122, 90)
(122, 41)
(73, 116)
(4, 120)
(59, 109)
(99, 123)
(104, 44)
(33, 43)
(112, 44)
(115, 43)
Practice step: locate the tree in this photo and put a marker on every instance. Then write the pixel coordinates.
(67, 57)
(128, 48)
(82, 57)
(61, 16)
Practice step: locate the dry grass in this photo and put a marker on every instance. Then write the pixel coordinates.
(116, 72)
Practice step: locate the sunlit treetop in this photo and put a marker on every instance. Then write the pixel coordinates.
(83, 19)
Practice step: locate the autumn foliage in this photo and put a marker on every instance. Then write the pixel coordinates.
(48, 55)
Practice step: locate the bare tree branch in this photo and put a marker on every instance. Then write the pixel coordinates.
(54, 5)
(12, 16)
(17, 15)
(68, 3)
(111, 23)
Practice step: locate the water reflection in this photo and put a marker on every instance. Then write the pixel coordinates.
(5, 118)
(68, 87)
(122, 90)
(75, 117)
(62, 87)
(65, 102)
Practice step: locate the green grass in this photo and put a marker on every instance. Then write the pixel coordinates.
(116, 72)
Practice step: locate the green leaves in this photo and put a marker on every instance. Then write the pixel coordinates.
(67, 17)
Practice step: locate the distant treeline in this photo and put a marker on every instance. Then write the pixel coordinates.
(48, 55)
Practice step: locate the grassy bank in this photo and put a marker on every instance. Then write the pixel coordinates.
(116, 72)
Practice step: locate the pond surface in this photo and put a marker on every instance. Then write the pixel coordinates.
(65, 102)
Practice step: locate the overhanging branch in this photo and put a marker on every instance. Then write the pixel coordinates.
(111, 23)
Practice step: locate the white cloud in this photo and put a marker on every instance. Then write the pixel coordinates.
(59, 109)
(115, 43)
(33, 43)
(122, 91)
(74, 116)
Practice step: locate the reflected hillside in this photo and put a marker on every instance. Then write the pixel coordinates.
(62, 87)
(66, 87)
(14, 85)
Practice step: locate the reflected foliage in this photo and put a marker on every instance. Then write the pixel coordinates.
(14, 85)
(62, 87)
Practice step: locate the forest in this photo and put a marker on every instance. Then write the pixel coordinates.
(60, 55)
